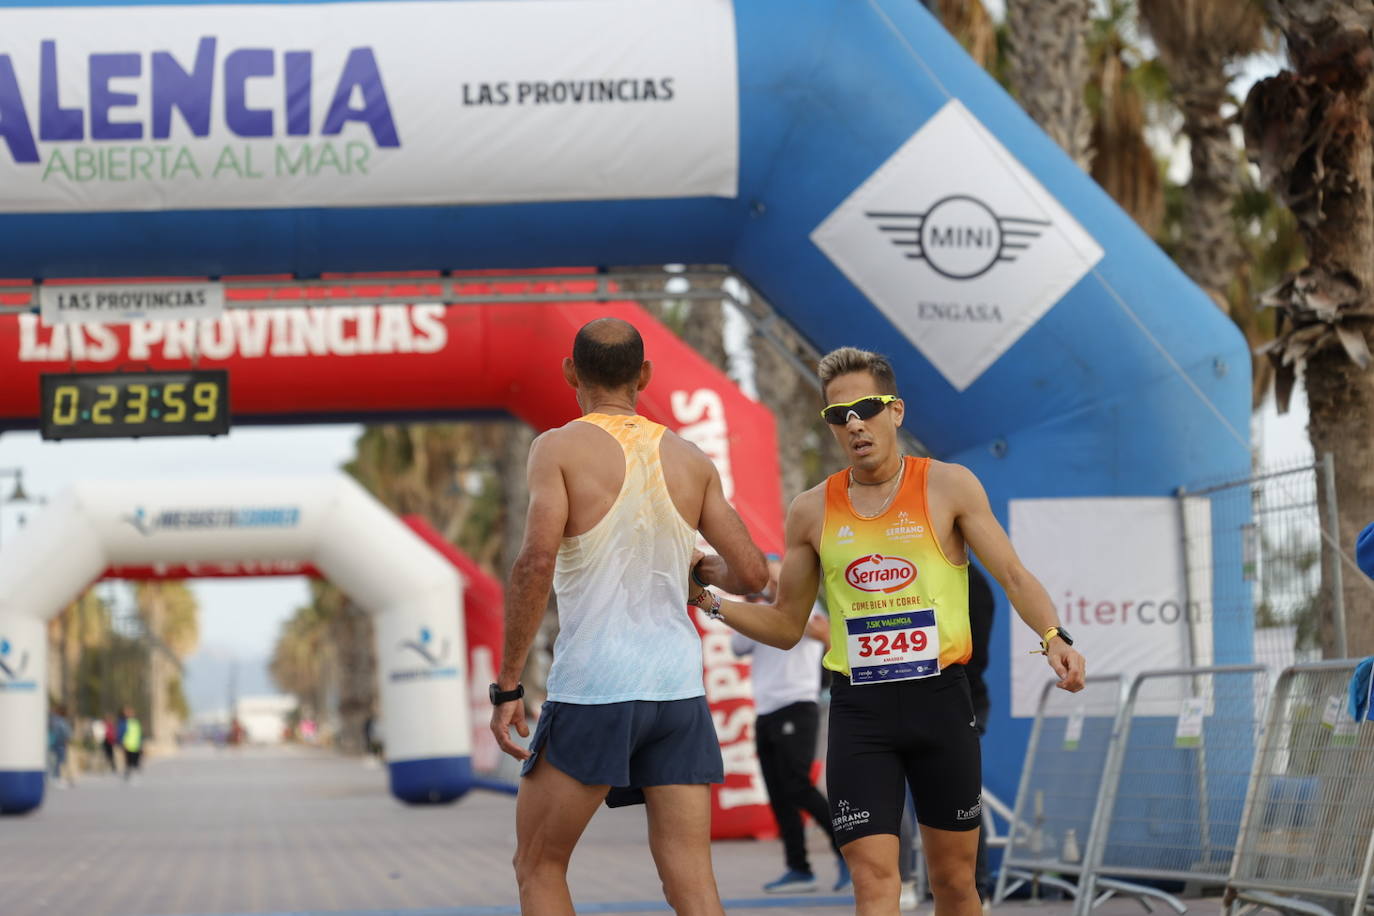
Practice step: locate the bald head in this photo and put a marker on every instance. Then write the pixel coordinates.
(608, 353)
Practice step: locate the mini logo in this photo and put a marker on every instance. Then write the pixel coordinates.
(877, 573)
(789, 728)
(957, 244)
(845, 532)
(960, 237)
(970, 813)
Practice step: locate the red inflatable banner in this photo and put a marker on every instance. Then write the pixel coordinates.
(347, 363)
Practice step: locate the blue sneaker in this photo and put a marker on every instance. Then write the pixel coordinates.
(842, 880)
(794, 882)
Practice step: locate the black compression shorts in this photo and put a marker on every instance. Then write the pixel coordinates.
(921, 732)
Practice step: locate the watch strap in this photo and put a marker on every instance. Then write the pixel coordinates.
(499, 696)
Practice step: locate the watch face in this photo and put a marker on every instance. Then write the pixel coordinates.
(1064, 635)
(491, 693)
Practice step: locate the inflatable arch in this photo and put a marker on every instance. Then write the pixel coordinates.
(330, 523)
(846, 158)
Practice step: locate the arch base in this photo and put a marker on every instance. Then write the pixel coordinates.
(431, 781)
(20, 791)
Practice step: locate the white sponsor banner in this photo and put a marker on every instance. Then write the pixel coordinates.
(126, 302)
(957, 244)
(1114, 569)
(365, 104)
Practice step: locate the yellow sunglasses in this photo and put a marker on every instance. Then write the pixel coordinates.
(865, 408)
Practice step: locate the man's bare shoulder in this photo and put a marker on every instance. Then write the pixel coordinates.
(951, 480)
(808, 506)
(571, 433)
(683, 450)
(552, 444)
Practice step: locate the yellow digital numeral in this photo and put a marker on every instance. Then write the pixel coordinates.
(108, 396)
(65, 414)
(138, 406)
(206, 395)
(171, 396)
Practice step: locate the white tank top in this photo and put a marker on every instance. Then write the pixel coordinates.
(624, 630)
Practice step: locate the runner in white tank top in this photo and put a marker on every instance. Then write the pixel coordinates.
(621, 587)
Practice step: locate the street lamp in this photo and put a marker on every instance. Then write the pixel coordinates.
(17, 495)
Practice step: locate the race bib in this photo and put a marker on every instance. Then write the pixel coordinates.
(893, 647)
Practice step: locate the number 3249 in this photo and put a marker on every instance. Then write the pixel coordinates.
(881, 644)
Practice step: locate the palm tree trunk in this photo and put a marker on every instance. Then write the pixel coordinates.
(1049, 68)
(1309, 131)
(1211, 251)
(1340, 402)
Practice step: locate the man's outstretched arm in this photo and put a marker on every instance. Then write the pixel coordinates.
(739, 566)
(782, 623)
(531, 578)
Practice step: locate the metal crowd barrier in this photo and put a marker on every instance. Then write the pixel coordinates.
(1061, 785)
(1174, 787)
(1307, 837)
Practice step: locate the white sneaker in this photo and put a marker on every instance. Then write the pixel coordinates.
(908, 901)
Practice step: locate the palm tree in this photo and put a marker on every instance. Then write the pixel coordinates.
(298, 659)
(1308, 130)
(83, 626)
(1048, 67)
(1200, 43)
(1122, 91)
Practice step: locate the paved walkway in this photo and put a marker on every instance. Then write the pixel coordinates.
(294, 831)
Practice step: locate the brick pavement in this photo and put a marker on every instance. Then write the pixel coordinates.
(275, 831)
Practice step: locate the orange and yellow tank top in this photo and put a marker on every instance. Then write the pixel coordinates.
(898, 606)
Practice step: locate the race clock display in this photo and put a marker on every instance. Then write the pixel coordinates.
(130, 404)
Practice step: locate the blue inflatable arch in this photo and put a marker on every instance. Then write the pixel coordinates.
(1122, 378)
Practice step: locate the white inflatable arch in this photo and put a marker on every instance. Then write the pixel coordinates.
(414, 595)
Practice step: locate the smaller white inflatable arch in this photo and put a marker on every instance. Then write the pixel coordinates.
(414, 595)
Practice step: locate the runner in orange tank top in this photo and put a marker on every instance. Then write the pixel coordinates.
(888, 538)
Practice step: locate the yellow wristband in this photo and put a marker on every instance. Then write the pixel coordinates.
(1044, 649)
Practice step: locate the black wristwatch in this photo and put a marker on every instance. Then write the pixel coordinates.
(1062, 634)
(499, 696)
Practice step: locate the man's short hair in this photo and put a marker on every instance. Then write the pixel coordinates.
(608, 353)
(851, 359)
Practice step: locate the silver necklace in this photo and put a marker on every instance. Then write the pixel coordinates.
(901, 472)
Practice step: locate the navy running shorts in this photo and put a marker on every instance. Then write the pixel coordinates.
(629, 745)
(921, 733)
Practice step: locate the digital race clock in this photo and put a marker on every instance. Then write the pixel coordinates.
(113, 404)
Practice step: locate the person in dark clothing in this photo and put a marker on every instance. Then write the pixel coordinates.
(981, 607)
(107, 743)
